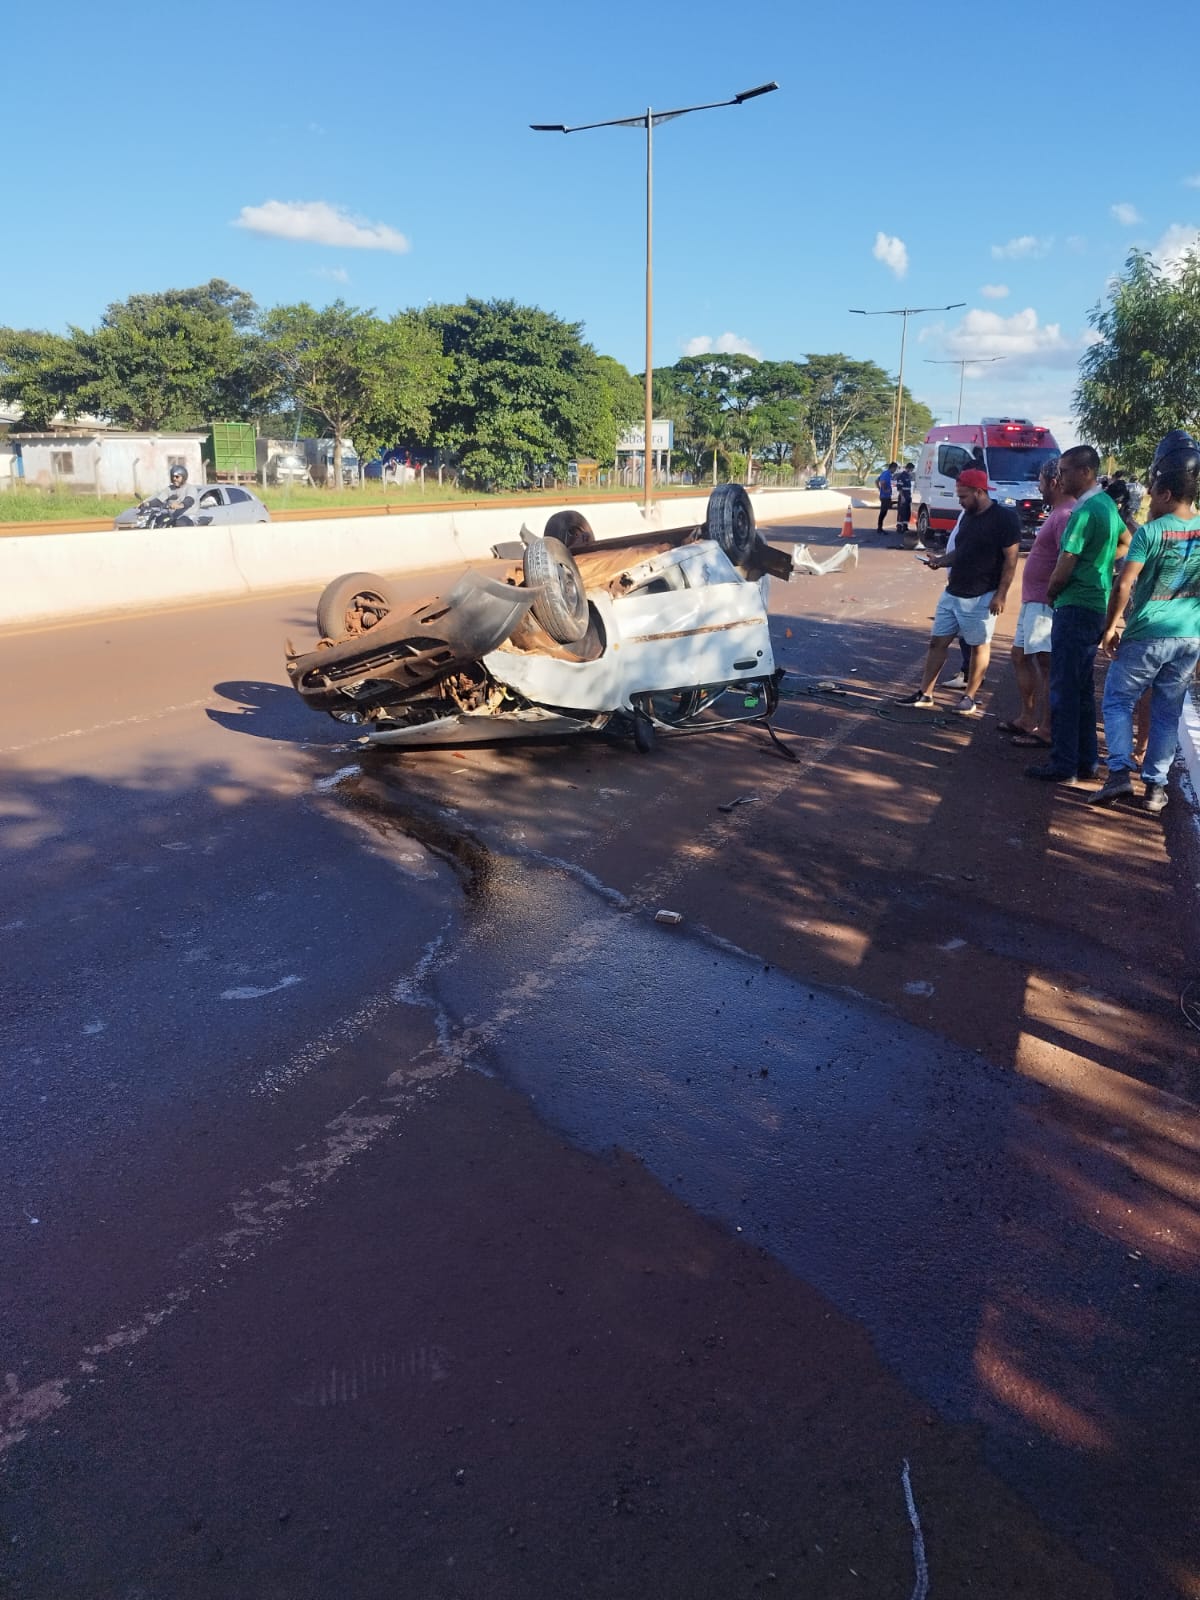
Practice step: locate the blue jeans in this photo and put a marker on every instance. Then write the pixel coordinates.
(1165, 666)
(1074, 638)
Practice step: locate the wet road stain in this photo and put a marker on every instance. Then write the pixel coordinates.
(937, 1198)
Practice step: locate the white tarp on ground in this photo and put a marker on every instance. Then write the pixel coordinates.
(47, 577)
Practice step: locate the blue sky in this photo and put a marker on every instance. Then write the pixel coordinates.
(1008, 159)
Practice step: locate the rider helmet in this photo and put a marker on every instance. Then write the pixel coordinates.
(178, 474)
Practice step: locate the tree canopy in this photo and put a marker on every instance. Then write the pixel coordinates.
(362, 378)
(1141, 377)
(154, 361)
(524, 392)
(507, 391)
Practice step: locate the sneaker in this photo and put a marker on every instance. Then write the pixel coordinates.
(1049, 774)
(920, 545)
(1118, 787)
(967, 707)
(1155, 798)
(917, 699)
(957, 681)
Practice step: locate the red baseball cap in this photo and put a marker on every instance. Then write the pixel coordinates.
(973, 478)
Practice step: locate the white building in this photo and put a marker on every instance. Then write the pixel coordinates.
(101, 461)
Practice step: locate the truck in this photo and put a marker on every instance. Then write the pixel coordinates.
(318, 457)
(1011, 450)
(230, 452)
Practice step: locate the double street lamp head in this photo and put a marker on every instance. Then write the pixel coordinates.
(653, 118)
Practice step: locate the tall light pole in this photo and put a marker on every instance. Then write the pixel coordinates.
(648, 120)
(904, 312)
(971, 361)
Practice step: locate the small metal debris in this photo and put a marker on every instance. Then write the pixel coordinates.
(740, 800)
(671, 918)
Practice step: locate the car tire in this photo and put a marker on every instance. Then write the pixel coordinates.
(643, 733)
(730, 521)
(923, 524)
(352, 605)
(560, 602)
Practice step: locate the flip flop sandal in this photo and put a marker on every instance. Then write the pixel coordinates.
(1011, 727)
(1029, 741)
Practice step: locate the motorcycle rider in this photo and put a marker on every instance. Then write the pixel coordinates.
(177, 498)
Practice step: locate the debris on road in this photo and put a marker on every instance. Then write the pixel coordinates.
(804, 561)
(740, 800)
(670, 918)
(921, 1587)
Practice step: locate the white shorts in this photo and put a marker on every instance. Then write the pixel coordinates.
(969, 619)
(1034, 622)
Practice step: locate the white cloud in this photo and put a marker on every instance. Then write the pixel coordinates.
(1017, 249)
(1128, 216)
(1169, 250)
(728, 344)
(892, 252)
(1076, 243)
(1019, 338)
(994, 291)
(1194, 181)
(317, 222)
(334, 274)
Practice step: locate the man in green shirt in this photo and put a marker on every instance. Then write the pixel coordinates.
(1160, 584)
(1078, 590)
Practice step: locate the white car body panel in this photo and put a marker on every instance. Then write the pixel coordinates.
(709, 626)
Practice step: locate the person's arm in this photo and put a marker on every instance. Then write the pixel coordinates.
(1124, 540)
(1061, 576)
(1117, 601)
(1007, 573)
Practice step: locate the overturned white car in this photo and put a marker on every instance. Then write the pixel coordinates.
(664, 630)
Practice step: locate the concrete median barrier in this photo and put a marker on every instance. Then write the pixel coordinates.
(65, 576)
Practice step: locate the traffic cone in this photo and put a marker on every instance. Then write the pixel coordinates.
(847, 524)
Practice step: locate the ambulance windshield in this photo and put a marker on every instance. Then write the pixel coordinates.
(1010, 464)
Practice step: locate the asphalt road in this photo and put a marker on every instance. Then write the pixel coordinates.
(389, 1206)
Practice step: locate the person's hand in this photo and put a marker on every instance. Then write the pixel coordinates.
(1110, 641)
(997, 606)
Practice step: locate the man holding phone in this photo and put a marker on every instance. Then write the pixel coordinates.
(982, 565)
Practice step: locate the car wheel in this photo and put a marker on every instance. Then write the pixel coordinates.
(730, 521)
(643, 733)
(923, 524)
(559, 600)
(352, 604)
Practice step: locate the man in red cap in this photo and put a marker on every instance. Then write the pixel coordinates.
(982, 564)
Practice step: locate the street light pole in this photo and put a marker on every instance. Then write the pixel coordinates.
(970, 361)
(648, 120)
(903, 312)
(647, 455)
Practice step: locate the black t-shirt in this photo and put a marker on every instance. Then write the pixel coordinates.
(978, 554)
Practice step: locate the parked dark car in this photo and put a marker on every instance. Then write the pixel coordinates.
(817, 482)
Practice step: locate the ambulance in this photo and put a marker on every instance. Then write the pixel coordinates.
(1011, 450)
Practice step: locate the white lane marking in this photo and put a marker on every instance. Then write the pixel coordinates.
(248, 992)
(921, 1587)
(106, 727)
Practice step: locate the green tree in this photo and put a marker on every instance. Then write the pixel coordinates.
(846, 400)
(171, 360)
(777, 392)
(39, 372)
(1142, 376)
(360, 377)
(524, 393)
(622, 404)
